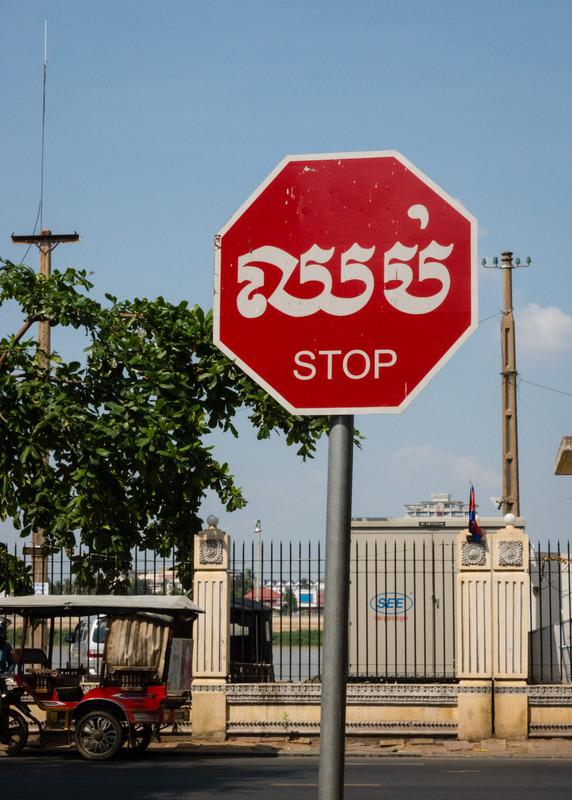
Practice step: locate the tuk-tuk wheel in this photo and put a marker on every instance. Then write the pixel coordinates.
(139, 737)
(13, 732)
(98, 735)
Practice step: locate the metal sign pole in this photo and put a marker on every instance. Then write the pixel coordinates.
(337, 578)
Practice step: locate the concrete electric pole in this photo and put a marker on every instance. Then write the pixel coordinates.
(510, 491)
(46, 241)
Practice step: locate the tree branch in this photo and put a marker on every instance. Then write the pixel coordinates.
(49, 377)
(23, 330)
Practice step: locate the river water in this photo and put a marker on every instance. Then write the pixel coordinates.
(296, 664)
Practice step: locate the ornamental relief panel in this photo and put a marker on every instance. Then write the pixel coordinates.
(210, 551)
(303, 726)
(504, 550)
(473, 554)
(357, 694)
(510, 553)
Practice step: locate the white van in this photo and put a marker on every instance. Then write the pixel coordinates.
(86, 642)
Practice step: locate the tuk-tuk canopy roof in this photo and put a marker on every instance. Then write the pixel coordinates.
(78, 605)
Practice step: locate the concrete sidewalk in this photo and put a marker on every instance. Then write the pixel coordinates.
(370, 747)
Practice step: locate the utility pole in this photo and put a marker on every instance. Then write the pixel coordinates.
(46, 241)
(511, 490)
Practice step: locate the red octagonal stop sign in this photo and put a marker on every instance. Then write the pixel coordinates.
(345, 282)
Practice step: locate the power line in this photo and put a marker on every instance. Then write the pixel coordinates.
(39, 215)
(548, 388)
(523, 380)
(555, 503)
(492, 316)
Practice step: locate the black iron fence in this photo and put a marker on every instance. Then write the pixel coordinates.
(402, 608)
(288, 580)
(550, 614)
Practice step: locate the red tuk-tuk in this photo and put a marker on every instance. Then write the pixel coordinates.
(144, 682)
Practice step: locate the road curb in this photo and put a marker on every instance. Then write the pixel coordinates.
(450, 749)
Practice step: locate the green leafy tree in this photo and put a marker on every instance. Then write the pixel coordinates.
(124, 429)
(15, 575)
(242, 583)
(290, 602)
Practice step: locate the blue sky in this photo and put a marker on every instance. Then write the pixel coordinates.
(163, 117)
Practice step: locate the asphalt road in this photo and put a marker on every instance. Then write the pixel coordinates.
(159, 775)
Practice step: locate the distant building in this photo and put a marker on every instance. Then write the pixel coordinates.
(440, 505)
(163, 580)
(267, 596)
(309, 593)
(440, 518)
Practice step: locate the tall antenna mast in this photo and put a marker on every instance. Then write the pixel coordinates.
(45, 241)
(43, 121)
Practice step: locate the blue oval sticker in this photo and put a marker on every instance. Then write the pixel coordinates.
(391, 603)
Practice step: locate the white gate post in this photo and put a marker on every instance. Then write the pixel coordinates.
(211, 592)
(474, 636)
(511, 609)
(493, 591)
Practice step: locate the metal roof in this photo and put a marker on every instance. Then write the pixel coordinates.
(48, 605)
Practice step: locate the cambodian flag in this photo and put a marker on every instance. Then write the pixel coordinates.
(474, 529)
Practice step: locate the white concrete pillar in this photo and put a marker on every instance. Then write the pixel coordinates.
(493, 591)
(211, 593)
